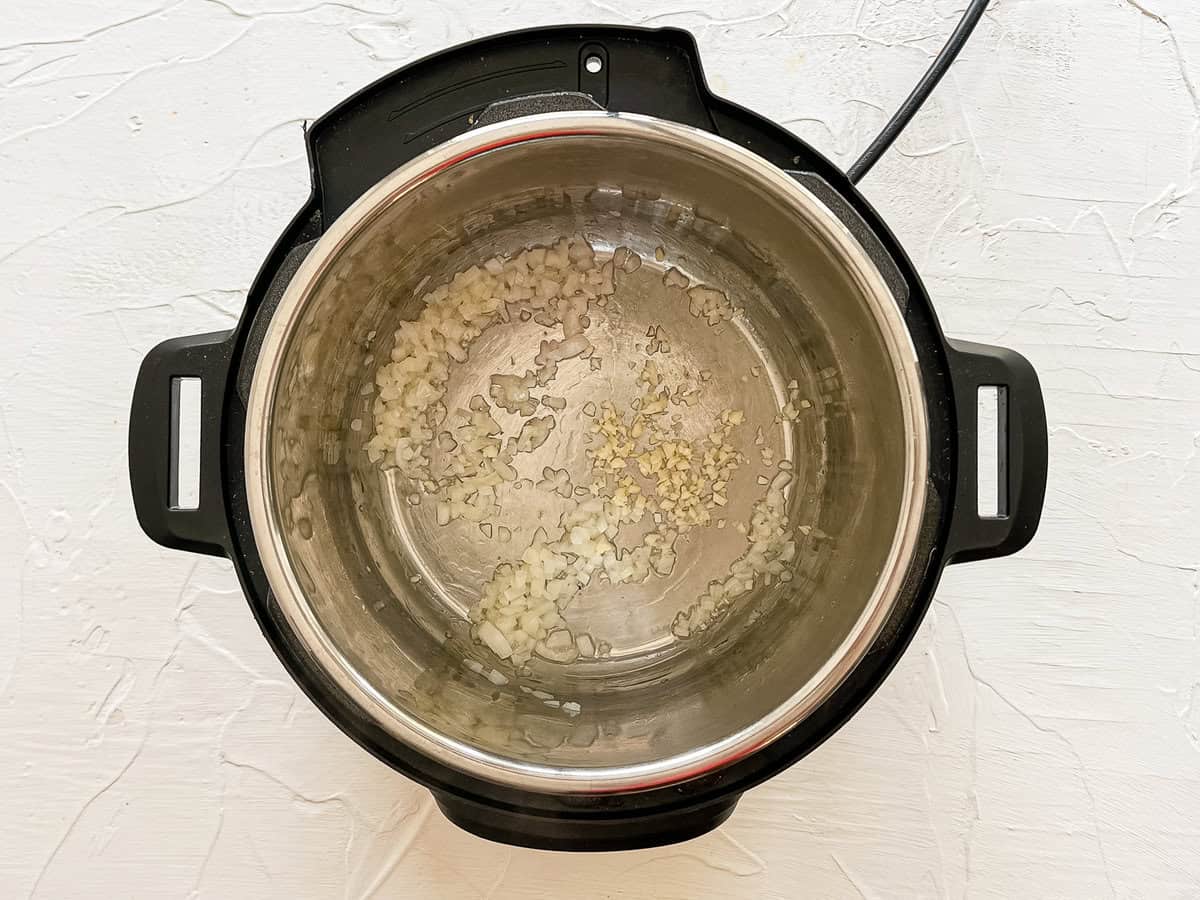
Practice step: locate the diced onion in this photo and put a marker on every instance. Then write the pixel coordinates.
(639, 463)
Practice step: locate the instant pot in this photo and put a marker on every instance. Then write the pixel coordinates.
(610, 134)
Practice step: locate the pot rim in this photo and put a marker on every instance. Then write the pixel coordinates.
(290, 596)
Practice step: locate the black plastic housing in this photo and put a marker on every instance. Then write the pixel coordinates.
(656, 73)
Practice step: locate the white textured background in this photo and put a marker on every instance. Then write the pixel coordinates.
(1041, 737)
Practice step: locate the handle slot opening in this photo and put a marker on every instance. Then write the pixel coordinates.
(991, 446)
(184, 488)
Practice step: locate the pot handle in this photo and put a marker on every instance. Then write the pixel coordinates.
(1022, 450)
(154, 443)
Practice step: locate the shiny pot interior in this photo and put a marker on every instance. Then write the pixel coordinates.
(379, 592)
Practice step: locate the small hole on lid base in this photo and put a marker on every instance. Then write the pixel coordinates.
(593, 64)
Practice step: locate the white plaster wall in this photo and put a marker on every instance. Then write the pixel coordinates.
(1041, 737)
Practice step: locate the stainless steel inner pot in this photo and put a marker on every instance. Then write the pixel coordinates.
(378, 592)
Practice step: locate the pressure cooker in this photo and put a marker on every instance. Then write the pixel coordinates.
(706, 241)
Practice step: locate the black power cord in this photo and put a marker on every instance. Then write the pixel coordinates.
(920, 93)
